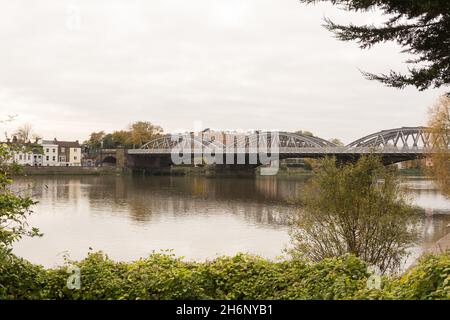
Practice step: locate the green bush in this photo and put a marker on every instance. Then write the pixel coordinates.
(430, 279)
(164, 276)
(19, 279)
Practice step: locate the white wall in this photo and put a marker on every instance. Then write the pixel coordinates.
(75, 156)
(50, 157)
(23, 158)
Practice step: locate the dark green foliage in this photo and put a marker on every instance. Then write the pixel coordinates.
(421, 28)
(162, 276)
(243, 277)
(14, 209)
(19, 279)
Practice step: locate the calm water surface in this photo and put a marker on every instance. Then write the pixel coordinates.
(199, 218)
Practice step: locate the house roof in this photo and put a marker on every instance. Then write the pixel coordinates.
(51, 142)
(22, 144)
(68, 144)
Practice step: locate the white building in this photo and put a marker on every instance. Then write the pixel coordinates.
(50, 156)
(47, 153)
(25, 154)
(23, 157)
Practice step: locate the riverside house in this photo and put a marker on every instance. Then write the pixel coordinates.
(69, 153)
(50, 157)
(25, 154)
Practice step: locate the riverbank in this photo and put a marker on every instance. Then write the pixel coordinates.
(95, 171)
(412, 172)
(442, 245)
(175, 171)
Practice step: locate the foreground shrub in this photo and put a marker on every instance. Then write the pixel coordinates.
(164, 276)
(430, 279)
(354, 208)
(20, 279)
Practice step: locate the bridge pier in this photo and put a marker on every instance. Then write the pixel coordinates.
(150, 164)
(121, 158)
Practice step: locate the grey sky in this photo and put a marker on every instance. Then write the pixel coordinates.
(227, 63)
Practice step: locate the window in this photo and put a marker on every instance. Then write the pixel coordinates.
(75, 158)
(20, 157)
(54, 150)
(47, 150)
(46, 158)
(54, 158)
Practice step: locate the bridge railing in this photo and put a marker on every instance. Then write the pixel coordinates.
(290, 150)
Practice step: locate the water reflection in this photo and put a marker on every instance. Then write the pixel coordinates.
(128, 217)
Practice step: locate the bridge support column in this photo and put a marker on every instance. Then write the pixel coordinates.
(121, 158)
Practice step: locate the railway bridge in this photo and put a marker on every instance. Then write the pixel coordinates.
(248, 151)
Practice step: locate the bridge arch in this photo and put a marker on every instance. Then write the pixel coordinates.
(393, 145)
(399, 138)
(288, 139)
(262, 139)
(109, 161)
(176, 141)
(284, 140)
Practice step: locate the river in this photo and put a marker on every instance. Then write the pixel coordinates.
(197, 217)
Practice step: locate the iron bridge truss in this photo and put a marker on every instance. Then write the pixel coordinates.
(414, 141)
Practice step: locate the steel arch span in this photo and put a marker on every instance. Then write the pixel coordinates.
(405, 137)
(266, 139)
(393, 145)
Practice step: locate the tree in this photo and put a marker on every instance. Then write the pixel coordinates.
(108, 141)
(421, 28)
(337, 142)
(14, 209)
(24, 132)
(305, 133)
(354, 208)
(121, 138)
(95, 140)
(440, 132)
(143, 131)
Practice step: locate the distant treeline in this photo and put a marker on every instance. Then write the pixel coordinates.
(137, 134)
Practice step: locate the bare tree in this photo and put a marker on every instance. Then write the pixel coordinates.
(23, 133)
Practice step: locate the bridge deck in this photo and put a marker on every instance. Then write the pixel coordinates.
(288, 151)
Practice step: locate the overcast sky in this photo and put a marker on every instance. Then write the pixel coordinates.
(231, 64)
